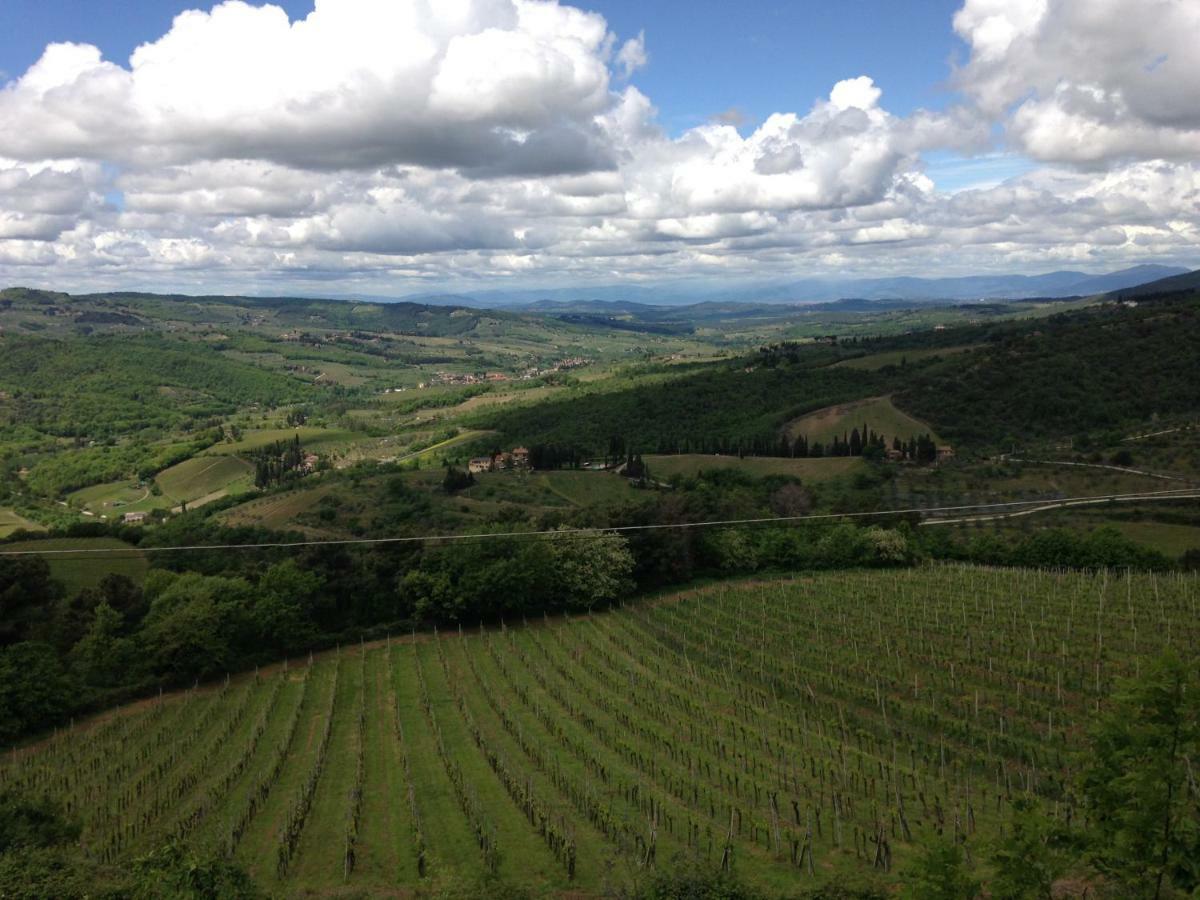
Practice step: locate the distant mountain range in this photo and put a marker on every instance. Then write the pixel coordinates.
(1188, 281)
(815, 290)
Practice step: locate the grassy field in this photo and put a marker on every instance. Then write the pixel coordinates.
(811, 470)
(1171, 540)
(589, 488)
(114, 498)
(875, 361)
(311, 438)
(278, 511)
(384, 451)
(205, 478)
(877, 413)
(10, 522)
(796, 720)
(78, 571)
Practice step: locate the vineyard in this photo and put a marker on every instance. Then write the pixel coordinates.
(791, 730)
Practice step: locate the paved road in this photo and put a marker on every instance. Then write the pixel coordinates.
(1180, 494)
(1125, 469)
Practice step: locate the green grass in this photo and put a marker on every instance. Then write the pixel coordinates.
(434, 451)
(83, 570)
(311, 437)
(114, 498)
(877, 413)
(205, 478)
(10, 521)
(677, 711)
(875, 361)
(589, 488)
(522, 488)
(1170, 540)
(278, 511)
(811, 470)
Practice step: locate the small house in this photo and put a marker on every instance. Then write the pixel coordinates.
(945, 453)
(134, 518)
(520, 457)
(479, 464)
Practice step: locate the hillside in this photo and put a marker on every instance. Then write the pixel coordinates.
(1186, 281)
(1097, 370)
(875, 413)
(123, 310)
(722, 407)
(790, 724)
(985, 385)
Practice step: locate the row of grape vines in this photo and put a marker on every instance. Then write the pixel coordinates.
(789, 729)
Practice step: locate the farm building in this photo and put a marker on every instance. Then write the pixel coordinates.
(134, 518)
(945, 453)
(479, 464)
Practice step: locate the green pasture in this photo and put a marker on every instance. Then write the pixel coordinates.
(82, 570)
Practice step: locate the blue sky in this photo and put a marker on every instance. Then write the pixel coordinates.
(706, 56)
(760, 56)
(393, 145)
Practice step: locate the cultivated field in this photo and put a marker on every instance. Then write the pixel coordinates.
(81, 570)
(115, 498)
(1172, 540)
(310, 437)
(589, 488)
(796, 729)
(277, 510)
(811, 470)
(877, 413)
(11, 521)
(204, 478)
(875, 361)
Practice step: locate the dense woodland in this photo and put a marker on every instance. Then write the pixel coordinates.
(1082, 374)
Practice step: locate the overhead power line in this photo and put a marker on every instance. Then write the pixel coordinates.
(88, 552)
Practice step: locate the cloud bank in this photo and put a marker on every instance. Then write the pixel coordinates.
(390, 144)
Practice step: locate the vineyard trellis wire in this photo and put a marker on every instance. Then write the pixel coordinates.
(794, 727)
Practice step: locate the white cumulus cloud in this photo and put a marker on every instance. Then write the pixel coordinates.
(1087, 82)
(492, 84)
(383, 145)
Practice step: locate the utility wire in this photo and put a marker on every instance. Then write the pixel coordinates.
(1181, 493)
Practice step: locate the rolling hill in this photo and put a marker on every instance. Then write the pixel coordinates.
(1185, 281)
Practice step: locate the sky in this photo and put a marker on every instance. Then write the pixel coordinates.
(386, 147)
